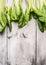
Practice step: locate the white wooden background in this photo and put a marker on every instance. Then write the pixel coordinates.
(25, 46)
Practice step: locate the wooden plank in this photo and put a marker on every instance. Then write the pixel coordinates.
(3, 49)
(21, 44)
(41, 47)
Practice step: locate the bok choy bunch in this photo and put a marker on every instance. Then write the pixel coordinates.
(16, 9)
(26, 16)
(14, 12)
(40, 13)
(29, 9)
(34, 8)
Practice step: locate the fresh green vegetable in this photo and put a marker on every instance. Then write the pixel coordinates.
(15, 13)
(26, 16)
(28, 10)
(40, 12)
(8, 16)
(3, 19)
(22, 21)
(16, 9)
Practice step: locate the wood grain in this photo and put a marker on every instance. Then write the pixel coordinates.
(3, 48)
(41, 47)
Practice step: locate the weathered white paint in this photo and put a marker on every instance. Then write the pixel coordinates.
(18, 47)
(41, 46)
(3, 51)
(3, 47)
(21, 44)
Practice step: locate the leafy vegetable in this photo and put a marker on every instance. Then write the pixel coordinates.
(3, 20)
(40, 12)
(28, 9)
(16, 9)
(15, 13)
(8, 16)
(26, 16)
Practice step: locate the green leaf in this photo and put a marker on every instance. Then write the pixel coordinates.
(41, 26)
(42, 19)
(3, 20)
(16, 9)
(8, 16)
